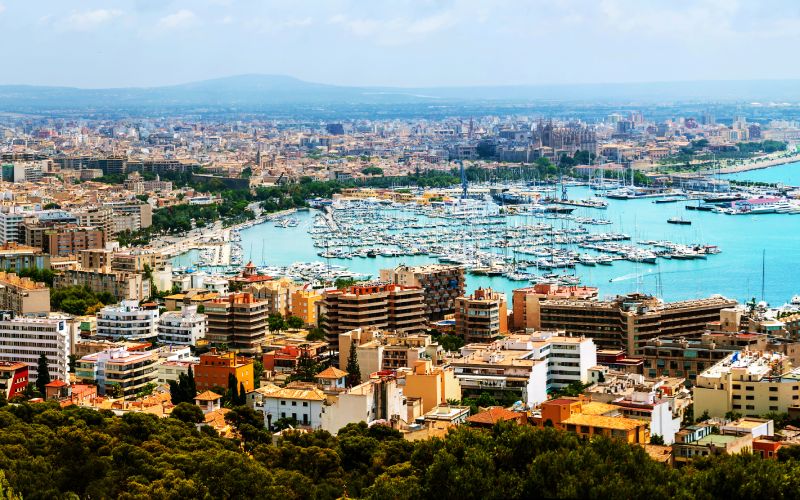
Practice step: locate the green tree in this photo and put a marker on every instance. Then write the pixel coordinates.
(276, 322)
(353, 370)
(42, 374)
(188, 412)
(315, 334)
(295, 323)
(657, 439)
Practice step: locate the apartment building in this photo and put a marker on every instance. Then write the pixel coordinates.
(184, 327)
(433, 385)
(482, 316)
(751, 383)
(99, 217)
(11, 230)
(669, 357)
(15, 257)
(23, 296)
(530, 365)
(24, 339)
(120, 285)
(130, 370)
(277, 294)
(525, 301)
(238, 321)
(215, 368)
(304, 305)
(380, 350)
(128, 321)
(375, 306)
(441, 285)
(627, 322)
(137, 261)
(591, 419)
(131, 216)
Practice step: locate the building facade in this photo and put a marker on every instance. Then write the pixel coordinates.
(25, 339)
(482, 316)
(128, 321)
(184, 327)
(238, 321)
(441, 285)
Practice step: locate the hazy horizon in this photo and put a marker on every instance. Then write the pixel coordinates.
(399, 43)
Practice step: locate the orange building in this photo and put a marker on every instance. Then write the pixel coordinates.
(304, 305)
(587, 419)
(214, 369)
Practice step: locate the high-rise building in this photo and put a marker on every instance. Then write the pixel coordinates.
(441, 285)
(25, 339)
(238, 321)
(629, 321)
(184, 327)
(385, 306)
(128, 321)
(482, 316)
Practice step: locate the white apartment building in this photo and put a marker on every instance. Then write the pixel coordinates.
(184, 327)
(11, 227)
(530, 364)
(25, 339)
(128, 321)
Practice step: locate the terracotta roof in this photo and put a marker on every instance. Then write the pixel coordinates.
(331, 373)
(56, 383)
(311, 394)
(207, 396)
(493, 415)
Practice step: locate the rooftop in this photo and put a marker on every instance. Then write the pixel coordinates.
(615, 423)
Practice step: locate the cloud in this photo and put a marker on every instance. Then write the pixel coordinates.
(90, 19)
(179, 19)
(397, 30)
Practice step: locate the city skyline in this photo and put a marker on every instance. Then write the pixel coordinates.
(400, 43)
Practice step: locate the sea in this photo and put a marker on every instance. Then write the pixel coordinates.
(760, 254)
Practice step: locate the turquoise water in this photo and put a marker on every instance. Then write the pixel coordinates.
(787, 174)
(735, 273)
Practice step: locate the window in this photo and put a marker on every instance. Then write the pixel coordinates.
(737, 407)
(749, 388)
(737, 386)
(750, 407)
(773, 408)
(749, 398)
(283, 403)
(305, 403)
(773, 389)
(294, 403)
(737, 396)
(773, 398)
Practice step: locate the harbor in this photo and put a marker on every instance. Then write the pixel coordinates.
(627, 246)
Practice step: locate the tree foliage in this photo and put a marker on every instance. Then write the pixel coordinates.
(50, 452)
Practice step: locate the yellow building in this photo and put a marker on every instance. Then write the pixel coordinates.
(433, 385)
(750, 383)
(304, 305)
(626, 429)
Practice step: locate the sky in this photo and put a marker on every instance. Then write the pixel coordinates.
(402, 43)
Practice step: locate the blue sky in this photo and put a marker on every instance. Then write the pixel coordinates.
(398, 42)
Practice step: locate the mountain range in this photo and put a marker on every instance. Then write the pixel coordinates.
(245, 91)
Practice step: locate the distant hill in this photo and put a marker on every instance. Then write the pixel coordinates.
(253, 91)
